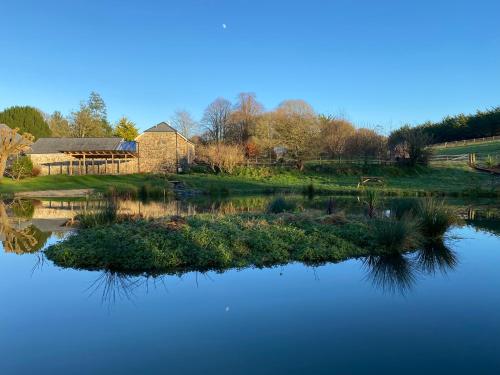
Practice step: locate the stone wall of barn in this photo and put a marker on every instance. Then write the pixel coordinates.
(157, 152)
(51, 164)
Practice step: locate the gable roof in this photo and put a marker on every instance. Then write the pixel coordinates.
(164, 127)
(161, 127)
(55, 145)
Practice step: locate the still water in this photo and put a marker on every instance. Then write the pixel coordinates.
(419, 313)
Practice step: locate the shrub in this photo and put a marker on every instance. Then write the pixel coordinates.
(435, 218)
(22, 167)
(36, 171)
(221, 157)
(279, 205)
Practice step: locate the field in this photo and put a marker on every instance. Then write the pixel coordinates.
(453, 180)
(485, 148)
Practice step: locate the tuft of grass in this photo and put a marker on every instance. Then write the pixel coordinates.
(394, 235)
(434, 218)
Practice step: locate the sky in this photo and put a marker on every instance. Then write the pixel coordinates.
(378, 63)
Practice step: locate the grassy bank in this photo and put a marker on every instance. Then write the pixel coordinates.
(343, 179)
(101, 183)
(326, 178)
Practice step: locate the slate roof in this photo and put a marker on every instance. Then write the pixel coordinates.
(161, 127)
(55, 145)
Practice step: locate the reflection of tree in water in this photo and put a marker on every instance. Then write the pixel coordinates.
(436, 256)
(391, 273)
(19, 241)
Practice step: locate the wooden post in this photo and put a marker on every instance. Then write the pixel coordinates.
(85, 165)
(138, 158)
(118, 166)
(112, 164)
(105, 165)
(71, 167)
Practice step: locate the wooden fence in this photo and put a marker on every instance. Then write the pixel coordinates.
(466, 142)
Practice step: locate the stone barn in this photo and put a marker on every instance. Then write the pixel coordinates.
(159, 149)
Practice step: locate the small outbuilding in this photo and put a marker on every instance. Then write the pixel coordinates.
(159, 149)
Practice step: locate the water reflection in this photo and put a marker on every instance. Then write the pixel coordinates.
(436, 256)
(19, 236)
(26, 225)
(398, 273)
(393, 273)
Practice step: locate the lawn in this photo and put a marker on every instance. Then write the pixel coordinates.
(63, 182)
(485, 148)
(325, 178)
(442, 180)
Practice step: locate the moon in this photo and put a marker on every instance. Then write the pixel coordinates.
(224, 26)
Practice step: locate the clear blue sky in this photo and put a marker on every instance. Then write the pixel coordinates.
(378, 62)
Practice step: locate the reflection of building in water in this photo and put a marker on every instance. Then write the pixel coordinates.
(64, 211)
(19, 235)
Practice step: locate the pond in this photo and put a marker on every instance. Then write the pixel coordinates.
(422, 312)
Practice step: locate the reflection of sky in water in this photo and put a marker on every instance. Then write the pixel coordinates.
(288, 319)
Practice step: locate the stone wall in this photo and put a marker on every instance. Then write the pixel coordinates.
(157, 152)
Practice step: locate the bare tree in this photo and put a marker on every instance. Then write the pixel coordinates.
(216, 119)
(12, 143)
(184, 123)
(244, 117)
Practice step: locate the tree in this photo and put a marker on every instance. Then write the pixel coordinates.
(90, 120)
(366, 144)
(59, 125)
(126, 129)
(334, 134)
(184, 123)
(409, 144)
(12, 143)
(27, 120)
(216, 119)
(244, 117)
(295, 127)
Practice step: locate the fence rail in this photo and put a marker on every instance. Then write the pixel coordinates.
(466, 142)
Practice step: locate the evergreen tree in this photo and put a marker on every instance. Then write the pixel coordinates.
(27, 120)
(126, 129)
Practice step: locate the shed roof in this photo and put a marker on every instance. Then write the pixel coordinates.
(55, 145)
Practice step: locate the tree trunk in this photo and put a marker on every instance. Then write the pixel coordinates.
(3, 164)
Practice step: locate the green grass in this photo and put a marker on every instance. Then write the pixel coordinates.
(207, 242)
(101, 183)
(485, 148)
(442, 180)
(458, 180)
(219, 242)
